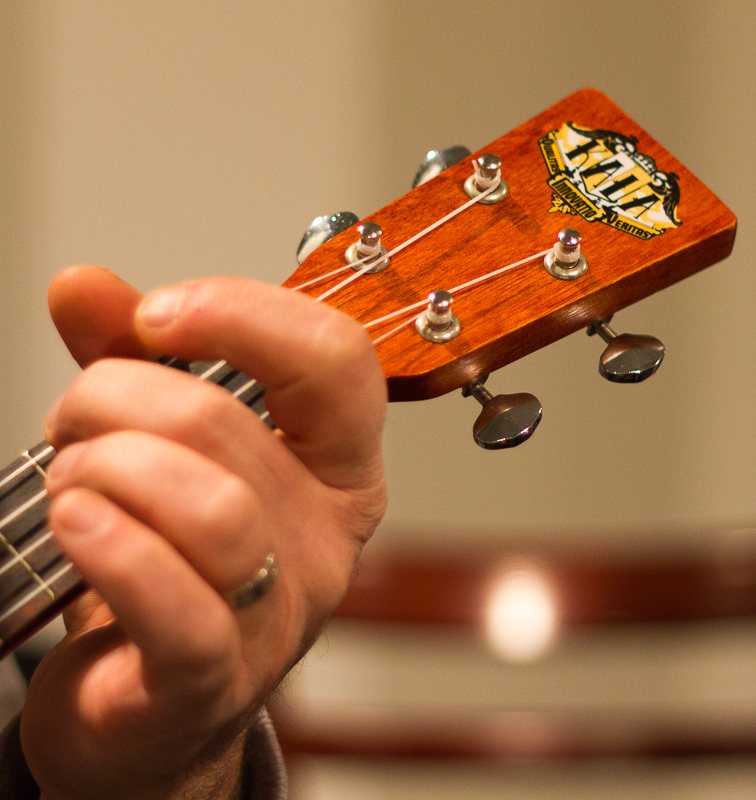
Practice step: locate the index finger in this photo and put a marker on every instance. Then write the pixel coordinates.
(326, 390)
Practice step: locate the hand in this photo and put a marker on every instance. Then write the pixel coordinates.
(168, 494)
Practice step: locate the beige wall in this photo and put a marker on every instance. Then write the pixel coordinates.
(176, 139)
(168, 140)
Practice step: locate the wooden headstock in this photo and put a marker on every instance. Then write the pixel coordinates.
(645, 220)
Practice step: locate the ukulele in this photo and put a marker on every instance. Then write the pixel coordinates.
(552, 228)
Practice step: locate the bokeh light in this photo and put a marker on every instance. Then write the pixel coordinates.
(521, 616)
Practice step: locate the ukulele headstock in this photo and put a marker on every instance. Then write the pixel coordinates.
(644, 219)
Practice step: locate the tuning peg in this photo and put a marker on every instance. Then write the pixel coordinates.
(628, 358)
(437, 161)
(322, 229)
(506, 420)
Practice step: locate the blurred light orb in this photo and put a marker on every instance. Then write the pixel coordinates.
(521, 618)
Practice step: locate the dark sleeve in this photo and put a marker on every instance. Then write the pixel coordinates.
(264, 769)
(16, 782)
(264, 772)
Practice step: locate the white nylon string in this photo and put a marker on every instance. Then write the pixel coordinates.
(321, 278)
(412, 239)
(398, 313)
(44, 586)
(20, 555)
(31, 462)
(455, 290)
(398, 327)
(24, 507)
(496, 272)
(400, 247)
(212, 370)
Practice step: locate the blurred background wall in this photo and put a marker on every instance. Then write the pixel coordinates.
(169, 140)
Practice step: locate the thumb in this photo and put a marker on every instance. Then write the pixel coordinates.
(93, 310)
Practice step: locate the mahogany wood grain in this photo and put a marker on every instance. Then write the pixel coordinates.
(526, 309)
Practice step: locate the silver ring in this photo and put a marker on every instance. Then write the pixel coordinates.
(258, 587)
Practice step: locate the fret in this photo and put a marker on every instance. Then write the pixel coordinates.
(43, 592)
(24, 478)
(248, 390)
(26, 565)
(32, 460)
(36, 604)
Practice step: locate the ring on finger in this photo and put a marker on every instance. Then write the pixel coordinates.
(258, 587)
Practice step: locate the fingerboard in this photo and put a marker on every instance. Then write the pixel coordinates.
(36, 580)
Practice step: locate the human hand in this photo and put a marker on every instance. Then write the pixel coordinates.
(167, 495)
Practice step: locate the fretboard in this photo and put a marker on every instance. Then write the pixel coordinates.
(36, 579)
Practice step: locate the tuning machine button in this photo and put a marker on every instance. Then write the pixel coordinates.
(322, 229)
(436, 161)
(628, 358)
(506, 420)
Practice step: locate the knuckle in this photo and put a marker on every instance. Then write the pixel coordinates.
(226, 515)
(205, 413)
(343, 345)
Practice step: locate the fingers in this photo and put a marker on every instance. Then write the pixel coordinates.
(114, 395)
(93, 310)
(211, 516)
(315, 487)
(161, 602)
(314, 360)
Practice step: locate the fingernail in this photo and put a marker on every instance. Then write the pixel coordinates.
(51, 420)
(160, 308)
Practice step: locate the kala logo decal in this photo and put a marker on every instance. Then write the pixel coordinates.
(602, 176)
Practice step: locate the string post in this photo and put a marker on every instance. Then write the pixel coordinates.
(486, 168)
(437, 323)
(564, 260)
(368, 249)
(486, 174)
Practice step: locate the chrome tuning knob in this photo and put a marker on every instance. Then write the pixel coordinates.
(628, 358)
(322, 229)
(506, 420)
(436, 161)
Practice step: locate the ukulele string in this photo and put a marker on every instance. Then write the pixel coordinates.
(324, 277)
(28, 464)
(412, 239)
(218, 365)
(371, 258)
(19, 556)
(43, 586)
(398, 248)
(454, 291)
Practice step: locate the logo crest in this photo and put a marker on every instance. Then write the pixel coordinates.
(602, 176)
